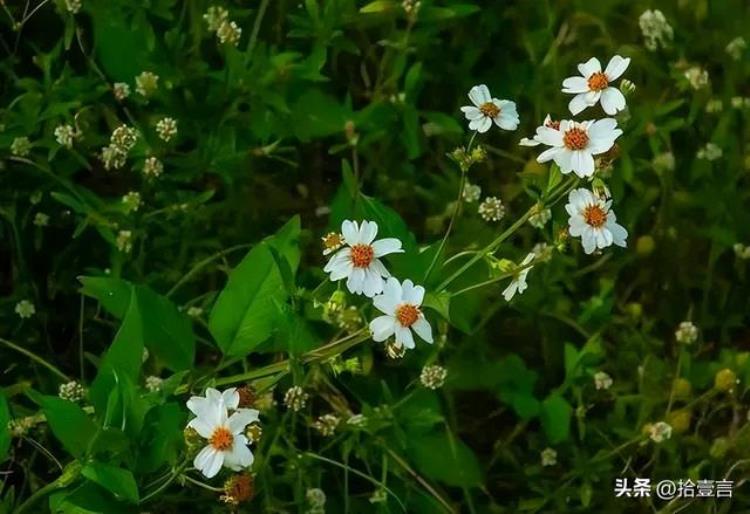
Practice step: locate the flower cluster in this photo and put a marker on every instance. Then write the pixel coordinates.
(121, 141)
(227, 31)
(655, 29)
(166, 128)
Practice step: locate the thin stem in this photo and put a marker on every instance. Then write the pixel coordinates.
(201, 484)
(38, 495)
(35, 358)
(202, 264)
(494, 280)
(177, 472)
(256, 26)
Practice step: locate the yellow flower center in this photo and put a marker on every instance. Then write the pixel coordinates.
(575, 139)
(362, 255)
(222, 439)
(332, 241)
(407, 314)
(489, 109)
(598, 81)
(595, 216)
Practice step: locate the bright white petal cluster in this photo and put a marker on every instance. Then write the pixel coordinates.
(487, 109)
(227, 445)
(401, 306)
(592, 220)
(518, 284)
(359, 260)
(548, 122)
(594, 85)
(574, 144)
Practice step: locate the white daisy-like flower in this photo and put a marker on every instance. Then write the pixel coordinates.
(602, 380)
(594, 85)
(573, 144)
(518, 284)
(548, 122)
(359, 261)
(401, 306)
(227, 443)
(592, 220)
(487, 109)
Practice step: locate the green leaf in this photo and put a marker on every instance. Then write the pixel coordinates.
(248, 308)
(4, 430)
(112, 293)
(555, 417)
(161, 437)
(439, 302)
(444, 457)
(378, 6)
(118, 481)
(68, 422)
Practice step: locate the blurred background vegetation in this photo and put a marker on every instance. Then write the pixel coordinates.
(264, 129)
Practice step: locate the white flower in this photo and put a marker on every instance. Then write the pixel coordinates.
(227, 444)
(655, 29)
(21, 146)
(736, 48)
(518, 284)
(132, 201)
(594, 85)
(574, 144)
(146, 83)
(710, 152)
(124, 241)
(471, 193)
(359, 261)
(686, 333)
(548, 457)
(491, 209)
(540, 216)
(121, 90)
(332, 241)
(487, 109)
(64, 135)
(548, 122)
(659, 432)
(401, 305)
(697, 77)
(229, 32)
(152, 167)
(592, 220)
(166, 128)
(154, 383)
(433, 376)
(25, 309)
(602, 380)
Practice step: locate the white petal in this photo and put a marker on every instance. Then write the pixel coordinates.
(507, 120)
(509, 291)
(471, 112)
(240, 456)
(590, 67)
(576, 225)
(577, 104)
(619, 234)
(588, 240)
(377, 266)
(616, 67)
(240, 419)
(356, 281)
(548, 154)
(211, 462)
(481, 125)
(412, 294)
(584, 163)
(563, 159)
(386, 304)
(393, 290)
(382, 328)
(575, 85)
(549, 136)
(231, 398)
(341, 270)
(480, 95)
(204, 457)
(525, 141)
(350, 230)
(592, 97)
(199, 406)
(367, 232)
(373, 283)
(404, 337)
(612, 100)
(203, 426)
(423, 329)
(386, 246)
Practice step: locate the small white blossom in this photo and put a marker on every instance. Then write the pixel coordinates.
(152, 167)
(491, 209)
(710, 152)
(41, 219)
(25, 309)
(124, 138)
(316, 498)
(113, 157)
(659, 432)
(229, 32)
(736, 48)
(433, 376)
(295, 398)
(518, 282)
(741, 251)
(471, 193)
(697, 77)
(332, 241)
(602, 380)
(64, 135)
(686, 333)
(132, 201)
(72, 391)
(124, 241)
(401, 305)
(359, 261)
(121, 90)
(487, 110)
(153, 384)
(326, 424)
(166, 128)
(146, 83)
(20, 147)
(227, 444)
(215, 16)
(655, 29)
(540, 216)
(593, 221)
(548, 457)
(594, 85)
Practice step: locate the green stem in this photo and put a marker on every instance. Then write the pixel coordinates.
(202, 264)
(256, 26)
(177, 472)
(38, 495)
(35, 358)
(493, 280)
